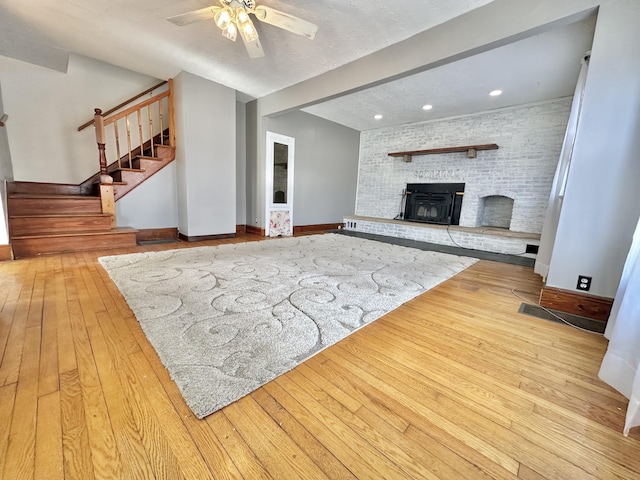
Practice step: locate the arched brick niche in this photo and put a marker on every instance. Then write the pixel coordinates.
(495, 211)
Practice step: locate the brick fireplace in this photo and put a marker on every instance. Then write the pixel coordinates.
(505, 190)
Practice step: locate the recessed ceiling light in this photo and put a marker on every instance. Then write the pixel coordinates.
(378, 117)
(427, 107)
(495, 93)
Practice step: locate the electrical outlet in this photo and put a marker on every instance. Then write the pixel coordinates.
(584, 283)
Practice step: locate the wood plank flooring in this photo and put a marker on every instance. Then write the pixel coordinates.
(455, 384)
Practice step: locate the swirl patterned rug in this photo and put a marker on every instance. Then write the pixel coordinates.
(227, 319)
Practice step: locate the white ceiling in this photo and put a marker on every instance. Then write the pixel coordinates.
(134, 34)
(535, 69)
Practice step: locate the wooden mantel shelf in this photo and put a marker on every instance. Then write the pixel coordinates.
(470, 149)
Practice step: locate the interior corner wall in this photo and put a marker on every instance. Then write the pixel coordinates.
(206, 156)
(254, 189)
(241, 164)
(325, 167)
(47, 106)
(602, 200)
(6, 174)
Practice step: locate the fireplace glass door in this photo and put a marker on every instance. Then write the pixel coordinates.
(439, 203)
(432, 207)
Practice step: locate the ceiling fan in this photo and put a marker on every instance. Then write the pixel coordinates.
(232, 17)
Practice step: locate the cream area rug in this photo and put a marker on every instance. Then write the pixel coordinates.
(227, 319)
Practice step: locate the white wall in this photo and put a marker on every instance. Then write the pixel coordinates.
(602, 200)
(6, 174)
(153, 204)
(529, 138)
(205, 156)
(326, 167)
(46, 108)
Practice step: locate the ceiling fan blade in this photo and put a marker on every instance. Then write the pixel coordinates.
(194, 16)
(254, 48)
(286, 21)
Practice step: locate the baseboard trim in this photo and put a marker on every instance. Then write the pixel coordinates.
(319, 227)
(576, 303)
(255, 230)
(6, 253)
(241, 229)
(148, 234)
(206, 237)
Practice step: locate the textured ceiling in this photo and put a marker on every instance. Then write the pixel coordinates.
(538, 68)
(134, 34)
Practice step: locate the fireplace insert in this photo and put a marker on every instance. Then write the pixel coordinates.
(438, 203)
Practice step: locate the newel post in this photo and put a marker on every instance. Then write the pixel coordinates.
(98, 122)
(106, 182)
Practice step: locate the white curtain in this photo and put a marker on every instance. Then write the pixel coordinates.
(550, 226)
(621, 364)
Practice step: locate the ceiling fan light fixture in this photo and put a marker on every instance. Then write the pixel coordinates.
(249, 33)
(241, 15)
(230, 32)
(234, 16)
(247, 28)
(223, 18)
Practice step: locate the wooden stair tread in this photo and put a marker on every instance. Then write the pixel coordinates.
(61, 215)
(117, 230)
(123, 169)
(144, 157)
(54, 196)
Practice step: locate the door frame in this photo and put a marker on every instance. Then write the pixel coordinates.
(271, 139)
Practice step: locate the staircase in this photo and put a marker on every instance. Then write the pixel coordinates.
(42, 219)
(49, 218)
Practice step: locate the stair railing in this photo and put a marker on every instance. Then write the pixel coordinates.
(140, 123)
(149, 120)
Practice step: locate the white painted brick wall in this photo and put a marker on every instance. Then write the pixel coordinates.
(529, 139)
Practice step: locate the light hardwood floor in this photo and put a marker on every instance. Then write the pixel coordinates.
(455, 384)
